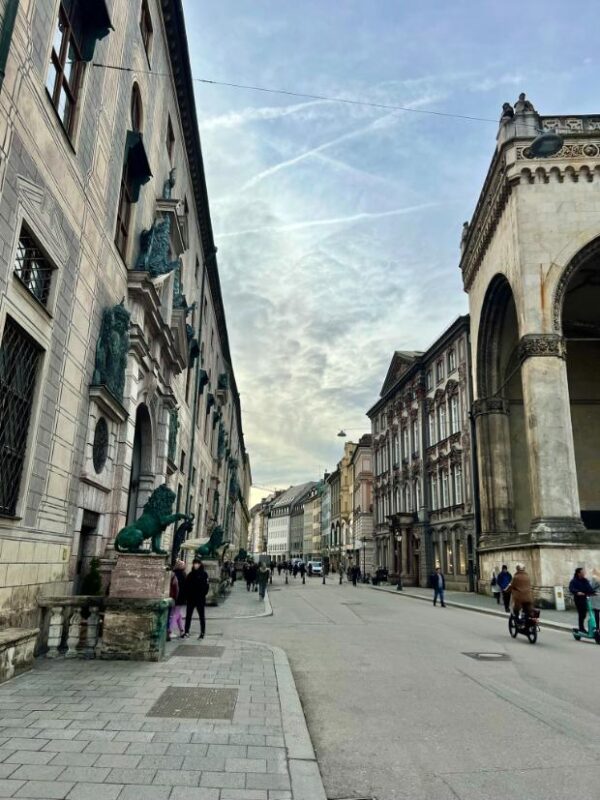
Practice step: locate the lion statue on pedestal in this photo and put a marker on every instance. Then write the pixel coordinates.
(151, 525)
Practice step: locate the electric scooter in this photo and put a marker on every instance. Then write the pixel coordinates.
(592, 631)
(528, 625)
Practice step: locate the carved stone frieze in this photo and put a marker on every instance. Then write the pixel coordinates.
(571, 124)
(542, 344)
(568, 150)
(490, 405)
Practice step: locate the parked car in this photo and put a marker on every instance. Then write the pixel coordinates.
(315, 567)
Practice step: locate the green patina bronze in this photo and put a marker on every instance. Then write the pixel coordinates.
(173, 430)
(156, 517)
(210, 549)
(111, 350)
(155, 248)
(242, 555)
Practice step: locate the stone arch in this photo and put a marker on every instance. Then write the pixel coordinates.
(142, 477)
(577, 313)
(587, 253)
(498, 298)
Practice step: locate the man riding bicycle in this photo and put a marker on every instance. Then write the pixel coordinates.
(521, 593)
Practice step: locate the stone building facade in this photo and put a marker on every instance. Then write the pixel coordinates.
(340, 525)
(311, 546)
(361, 489)
(531, 266)
(283, 540)
(115, 370)
(424, 504)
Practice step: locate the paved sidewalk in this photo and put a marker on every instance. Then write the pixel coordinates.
(561, 620)
(240, 604)
(218, 720)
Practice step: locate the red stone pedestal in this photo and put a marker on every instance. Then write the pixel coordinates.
(138, 575)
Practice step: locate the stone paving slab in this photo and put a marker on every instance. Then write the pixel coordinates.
(87, 730)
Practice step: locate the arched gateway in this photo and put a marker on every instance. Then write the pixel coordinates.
(531, 266)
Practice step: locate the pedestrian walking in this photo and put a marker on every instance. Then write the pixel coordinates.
(295, 569)
(302, 569)
(521, 592)
(272, 566)
(176, 617)
(173, 592)
(496, 590)
(355, 574)
(248, 575)
(503, 579)
(279, 568)
(262, 580)
(196, 589)
(595, 582)
(581, 589)
(233, 573)
(438, 584)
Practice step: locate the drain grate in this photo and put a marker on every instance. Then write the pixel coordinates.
(488, 656)
(198, 651)
(178, 702)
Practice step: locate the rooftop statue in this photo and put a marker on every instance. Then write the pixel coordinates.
(523, 105)
(507, 113)
(151, 525)
(111, 350)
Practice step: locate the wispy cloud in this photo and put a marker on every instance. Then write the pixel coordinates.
(315, 223)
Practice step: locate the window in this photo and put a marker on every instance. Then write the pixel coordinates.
(405, 443)
(136, 109)
(458, 489)
(196, 270)
(429, 379)
(182, 461)
(66, 65)
(170, 141)
(434, 491)
(133, 174)
(124, 212)
(442, 421)
(19, 358)
(462, 555)
(396, 449)
(146, 28)
(454, 415)
(32, 267)
(445, 489)
(431, 428)
(415, 437)
(451, 361)
(449, 556)
(439, 371)
(417, 495)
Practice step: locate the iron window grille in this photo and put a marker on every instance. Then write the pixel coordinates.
(19, 359)
(32, 267)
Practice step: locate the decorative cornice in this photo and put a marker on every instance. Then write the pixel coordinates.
(542, 344)
(490, 405)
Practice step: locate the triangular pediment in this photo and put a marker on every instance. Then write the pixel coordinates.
(401, 363)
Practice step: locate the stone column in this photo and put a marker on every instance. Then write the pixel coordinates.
(495, 471)
(553, 473)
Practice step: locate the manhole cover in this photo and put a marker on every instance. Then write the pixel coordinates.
(488, 656)
(198, 651)
(191, 703)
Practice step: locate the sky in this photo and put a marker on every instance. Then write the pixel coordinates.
(338, 226)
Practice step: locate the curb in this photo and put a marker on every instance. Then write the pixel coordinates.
(267, 612)
(557, 626)
(307, 783)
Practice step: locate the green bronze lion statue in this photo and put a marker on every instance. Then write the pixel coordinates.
(210, 549)
(151, 525)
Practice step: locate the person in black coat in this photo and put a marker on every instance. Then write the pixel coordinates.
(581, 589)
(196, 588)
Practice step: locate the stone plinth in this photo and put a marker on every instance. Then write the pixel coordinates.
(217, 585)
(134, 629)
(140, 575)
(16, 651)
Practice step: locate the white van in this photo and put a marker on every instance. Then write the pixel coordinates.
(315, 567)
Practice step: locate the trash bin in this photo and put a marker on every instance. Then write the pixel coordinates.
(559, 598)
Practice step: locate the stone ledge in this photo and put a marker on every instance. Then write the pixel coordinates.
(16, 651)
